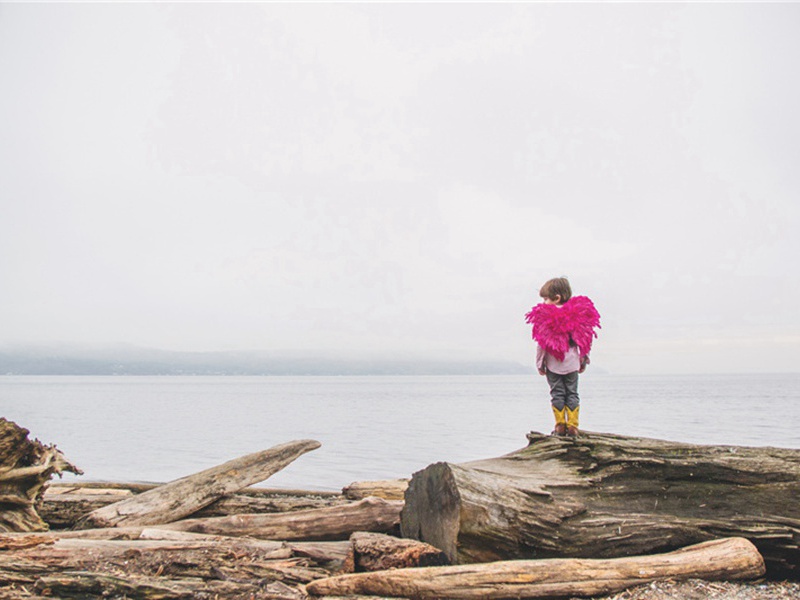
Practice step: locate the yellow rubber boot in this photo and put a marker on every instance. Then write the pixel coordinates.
(561, 421)
(572, 421)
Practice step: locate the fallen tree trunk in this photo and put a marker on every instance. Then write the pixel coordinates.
(331, 554)
(727, 559)
(64, 505)
(331, 523)
(229, 567)
(182, 497)
(605, 496)
(25, 468)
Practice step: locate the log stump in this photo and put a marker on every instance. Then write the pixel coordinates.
(26, 467)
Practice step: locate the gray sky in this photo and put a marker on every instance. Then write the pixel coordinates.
(399, 180)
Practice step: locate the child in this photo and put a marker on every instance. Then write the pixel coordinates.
(563, 328)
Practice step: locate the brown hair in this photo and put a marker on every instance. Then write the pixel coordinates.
(556, 287)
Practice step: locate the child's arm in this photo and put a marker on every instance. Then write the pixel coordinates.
(584, 362)
(540, 359)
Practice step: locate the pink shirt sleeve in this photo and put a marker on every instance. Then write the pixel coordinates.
(539, 358)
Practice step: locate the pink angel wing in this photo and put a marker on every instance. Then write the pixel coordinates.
(549, 329)
(582, 318)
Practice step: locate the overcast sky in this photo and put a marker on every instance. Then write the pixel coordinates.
(399, 180)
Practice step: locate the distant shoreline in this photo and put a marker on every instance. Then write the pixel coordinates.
(158, 362)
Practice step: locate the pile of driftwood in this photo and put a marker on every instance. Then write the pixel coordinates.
(558, 519)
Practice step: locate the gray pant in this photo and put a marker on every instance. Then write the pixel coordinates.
(564, 390)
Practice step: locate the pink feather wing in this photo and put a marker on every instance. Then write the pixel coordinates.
(554, 326)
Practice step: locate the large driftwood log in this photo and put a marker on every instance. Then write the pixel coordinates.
(733, 558)
(63, 505)
(605, 496)
(182, 497)
(187, 568)
(331, 523)
(330, 554)
(25, 468)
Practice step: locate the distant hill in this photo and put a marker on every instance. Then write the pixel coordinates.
(66, 360)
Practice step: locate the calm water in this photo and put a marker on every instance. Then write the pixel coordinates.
(161, 428)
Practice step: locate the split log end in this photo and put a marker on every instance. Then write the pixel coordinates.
(378, 552)
(433, 486)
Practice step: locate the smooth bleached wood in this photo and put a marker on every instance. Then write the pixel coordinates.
(727, 559)
(182, 497)
(331, 523)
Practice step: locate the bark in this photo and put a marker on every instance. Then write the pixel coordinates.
(732, 558)
(379, 552)
(182, 497)
(606, 496)
(25, 468)
(331, 523)
(388, 489)
(64, 505)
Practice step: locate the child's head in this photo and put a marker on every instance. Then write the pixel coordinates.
(557, 290)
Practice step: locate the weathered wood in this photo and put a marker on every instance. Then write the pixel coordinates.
(64, 505)
(604, 496)
(25, 468)
(182, 497)
(330, 523)
(388, 489)
(349, 597)
(728, 559)
(102, 568)
(239, 504)
(87, 584)
(330, 554)
(20, 541)
(379, 552)
(138, 488)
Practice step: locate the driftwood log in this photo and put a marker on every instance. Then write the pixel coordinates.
(331, 523)
(25, 468)
(727, 559)
(388, 489)
(182, 497)
(229, 568)
(63, 505)
(607, 496)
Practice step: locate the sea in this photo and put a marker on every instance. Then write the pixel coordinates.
(156, 429)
